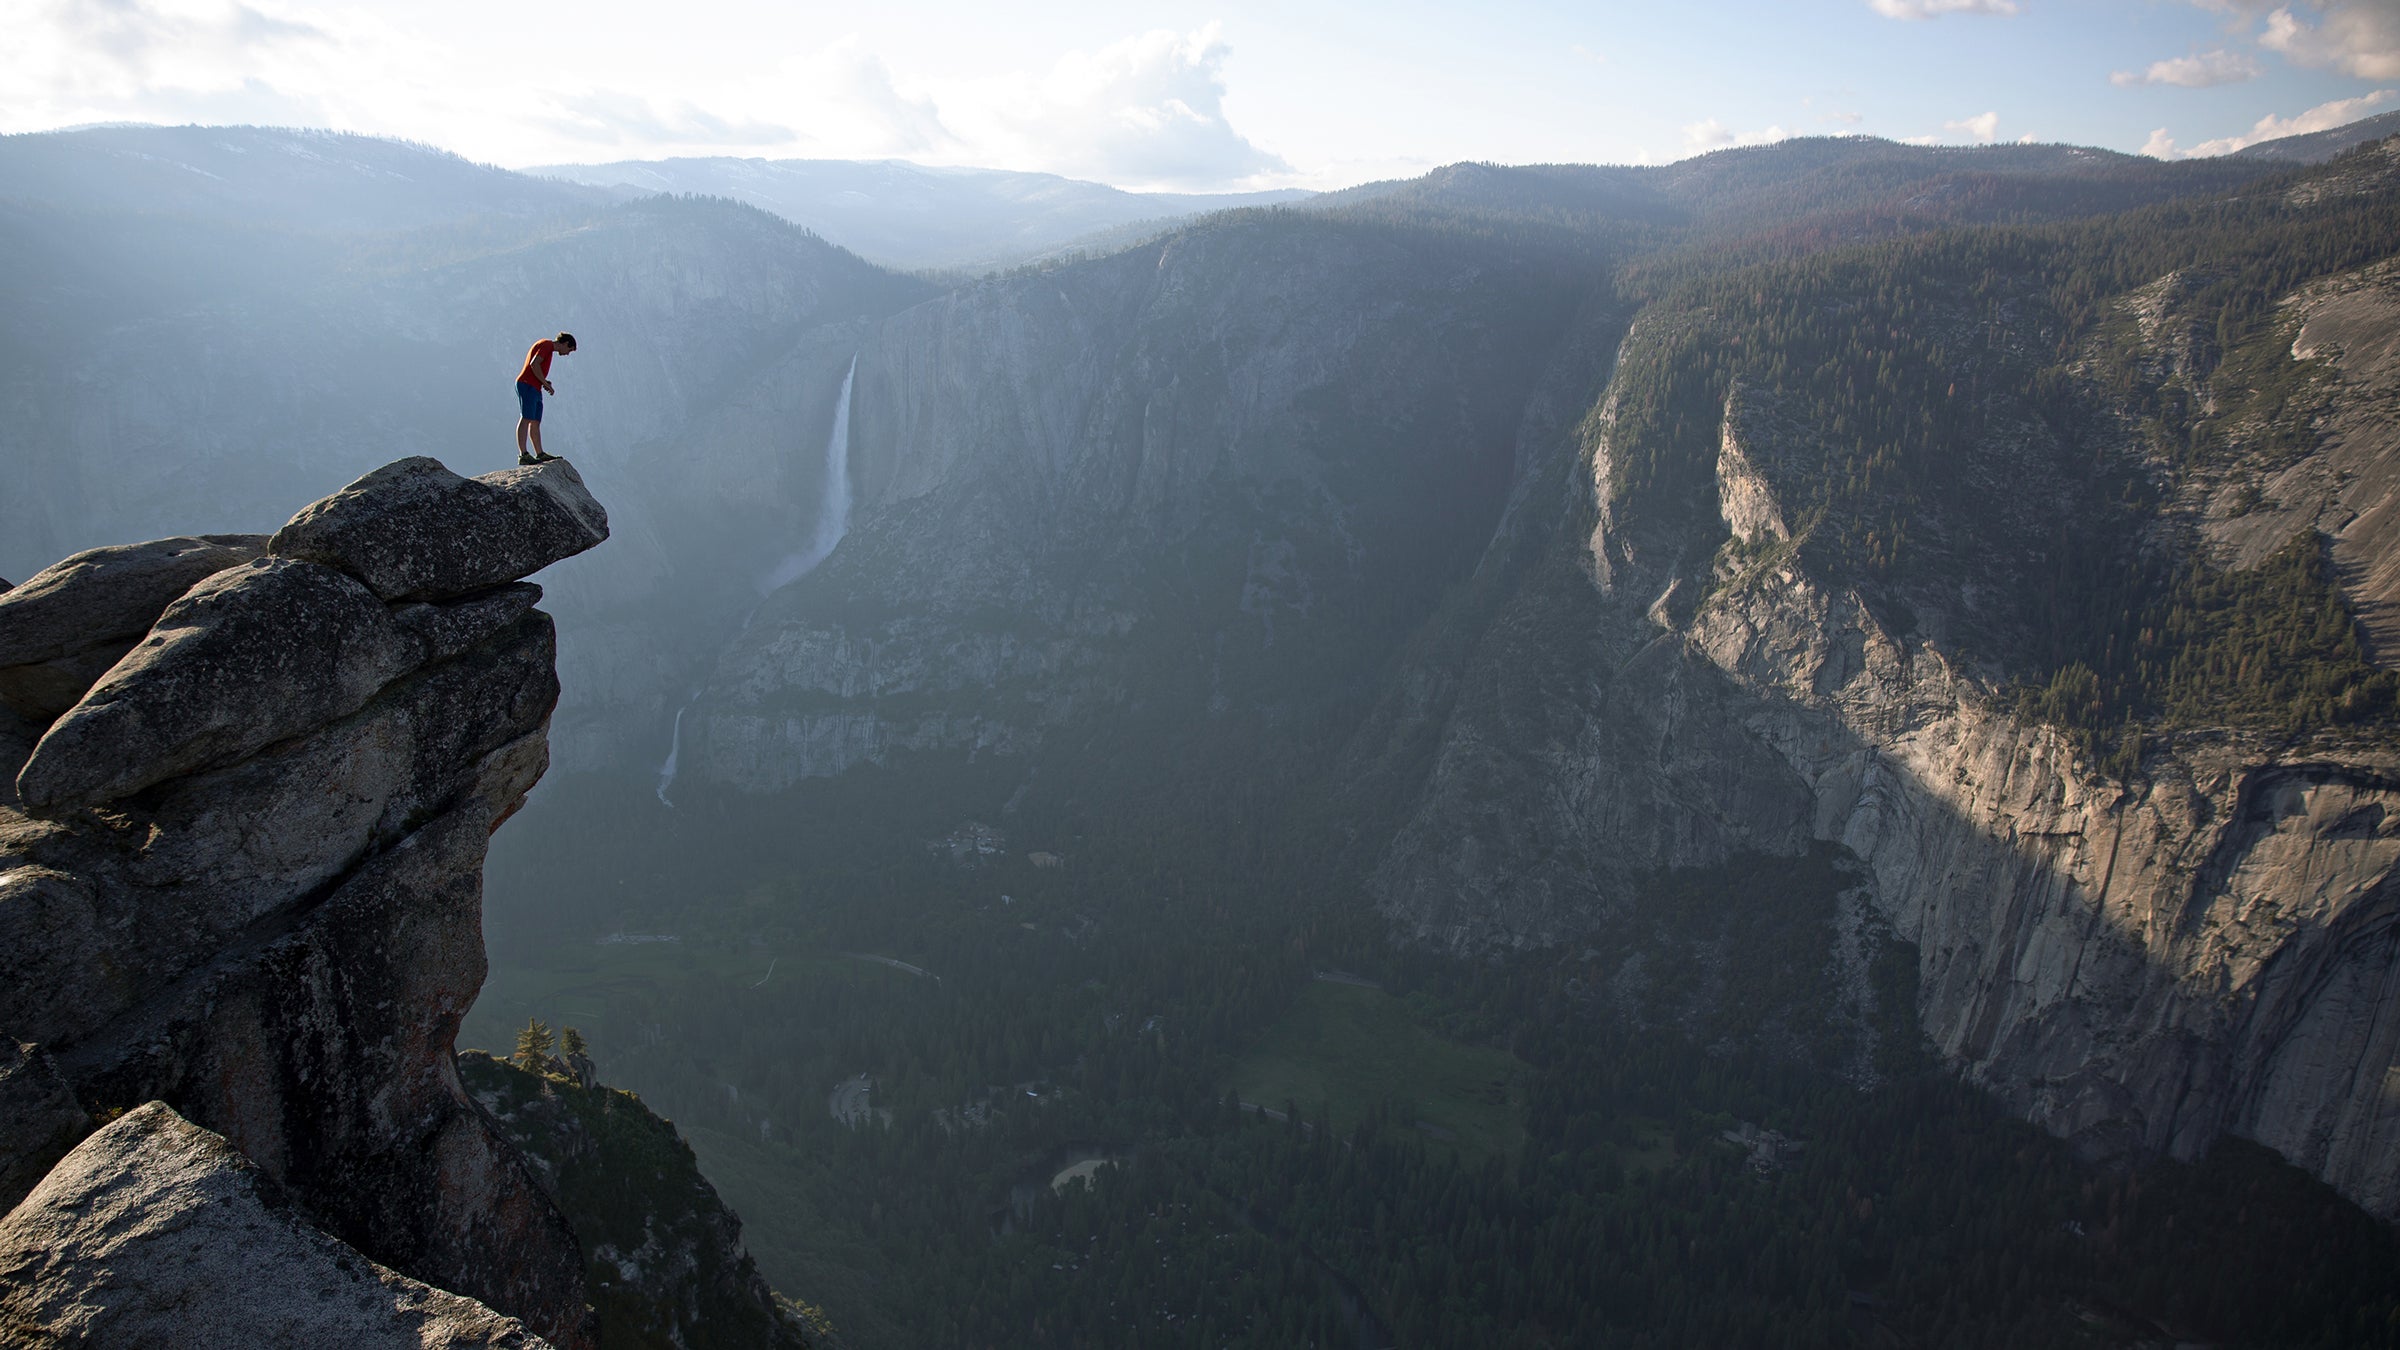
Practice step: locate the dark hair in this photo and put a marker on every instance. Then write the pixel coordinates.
(566, 340)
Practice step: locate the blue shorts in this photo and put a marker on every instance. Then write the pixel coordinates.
(529, 402)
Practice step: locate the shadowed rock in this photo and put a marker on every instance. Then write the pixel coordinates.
(96, 916)
(320, 1046)
(247, 658)
(39, 1119)
(282, 948)
(71, 621)
(56, 966)
(273, 927)
(155, 1232)
(449, 630)
(413, 530)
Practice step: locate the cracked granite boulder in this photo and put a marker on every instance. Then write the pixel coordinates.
(413, 530)
(63, 629)
(157, 1233)
(242, 876)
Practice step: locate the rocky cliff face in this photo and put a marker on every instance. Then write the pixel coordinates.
(2346, 333)
(663, 1256)
(240, 881)
(2141, 963)
(1231, 454)
(2138, 962)
(2141, 967)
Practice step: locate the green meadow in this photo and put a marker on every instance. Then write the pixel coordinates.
(1348, 1050)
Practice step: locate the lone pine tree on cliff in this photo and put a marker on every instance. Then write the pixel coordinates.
(533, 1045)
(533, 380)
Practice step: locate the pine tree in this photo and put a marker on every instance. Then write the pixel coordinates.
(533, 1045)
(570, 1042)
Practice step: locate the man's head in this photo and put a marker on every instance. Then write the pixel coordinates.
(564, 342)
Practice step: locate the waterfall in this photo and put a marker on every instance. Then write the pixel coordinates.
(833, 521)
(833, 511)
(666, 771)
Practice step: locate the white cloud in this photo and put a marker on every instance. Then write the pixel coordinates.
(848, 98)
(1147, 111)
(1983, 126)
(2323, 117)
(2359, 38)
(1704, 136)
(611, 117)
(1848, 119)
(1934, 9)
(106, 54)
(2199, 71)
(139, 35)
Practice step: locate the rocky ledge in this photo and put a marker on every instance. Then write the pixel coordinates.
(247, 792)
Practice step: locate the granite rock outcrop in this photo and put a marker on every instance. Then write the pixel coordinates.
(70, 622)
(663, 1256)
(413, 530)
(155, 1233)
(241, 878)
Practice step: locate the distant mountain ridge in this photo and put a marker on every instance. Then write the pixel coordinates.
(913, 215)
(2318, 146)
(300, 179)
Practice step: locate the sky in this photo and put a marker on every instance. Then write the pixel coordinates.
(1226, 95)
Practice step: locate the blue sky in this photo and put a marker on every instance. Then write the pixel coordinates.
(1204, 96)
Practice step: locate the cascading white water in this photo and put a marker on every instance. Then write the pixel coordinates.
(666, 771)
(833, 511)
(833, 521)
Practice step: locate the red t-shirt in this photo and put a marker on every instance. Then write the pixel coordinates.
(537, 362)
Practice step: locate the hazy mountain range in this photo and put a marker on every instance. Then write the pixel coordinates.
(1804, 615)
(913, 216)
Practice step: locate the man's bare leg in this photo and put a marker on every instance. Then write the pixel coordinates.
(522, 424)
(537, 438)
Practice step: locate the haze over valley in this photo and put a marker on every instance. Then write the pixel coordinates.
(1793, 745)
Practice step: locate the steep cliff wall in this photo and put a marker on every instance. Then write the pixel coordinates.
(241, 874)
(1168, 477)
(2141, 961)
(2139, 966)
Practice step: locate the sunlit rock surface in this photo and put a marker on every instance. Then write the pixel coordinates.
(71, 621)
(155, 1234)
(413, 530)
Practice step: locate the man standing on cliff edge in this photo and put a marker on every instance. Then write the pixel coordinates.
(532, 382)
